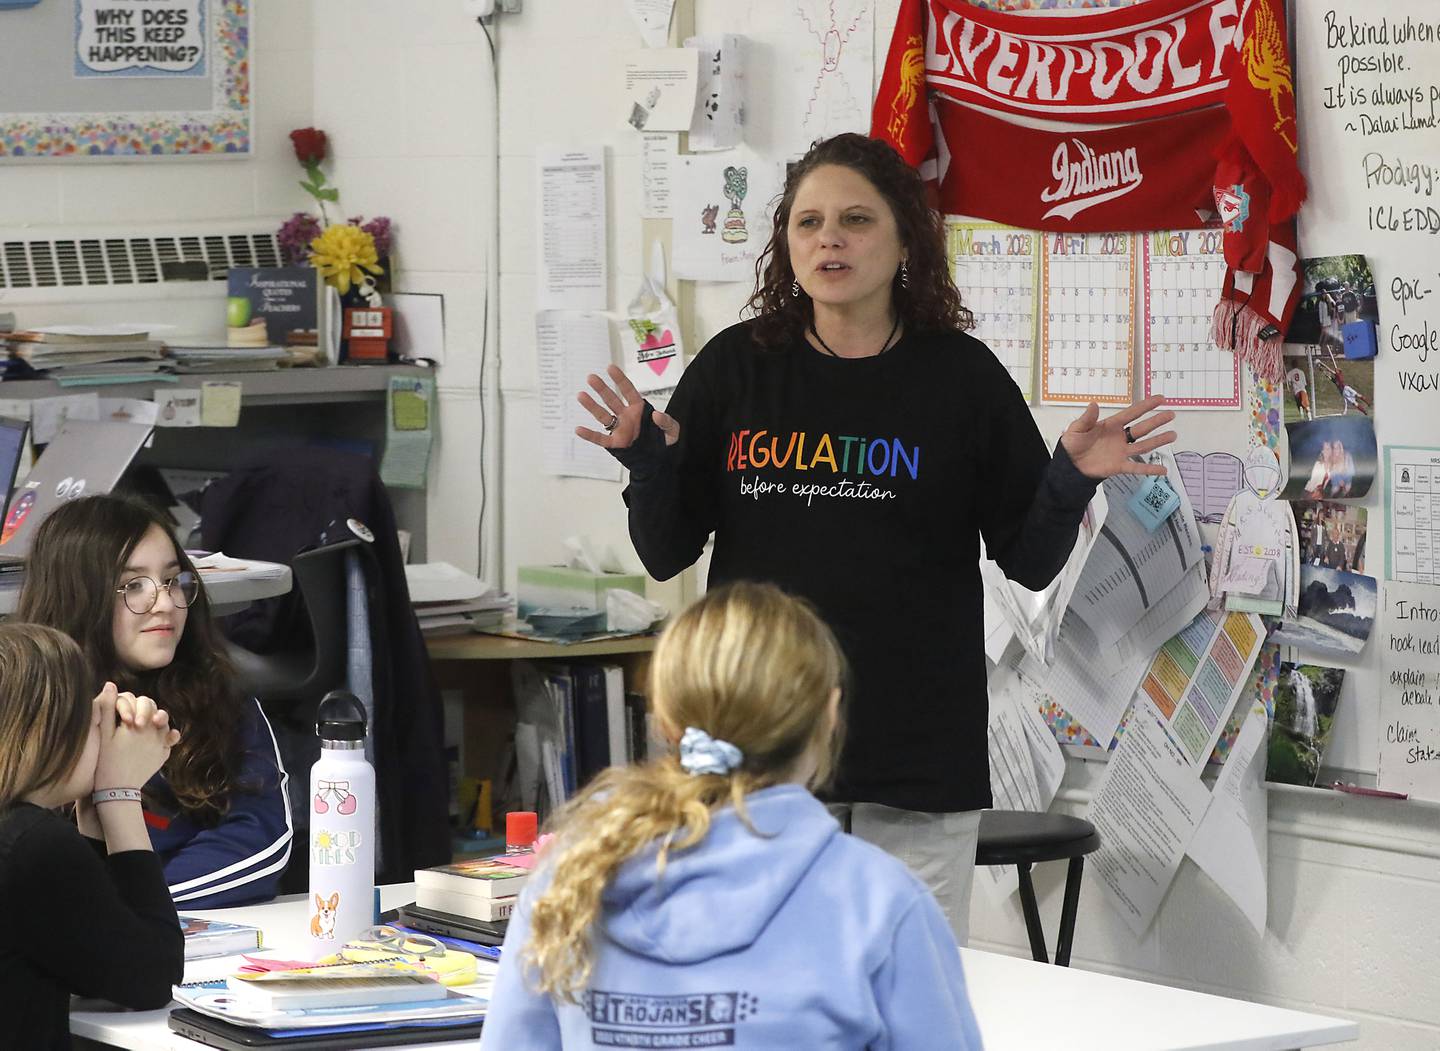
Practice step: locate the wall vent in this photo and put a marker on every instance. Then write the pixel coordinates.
(68, 264)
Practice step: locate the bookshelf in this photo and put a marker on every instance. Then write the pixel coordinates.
(477, 667)
(342, 405)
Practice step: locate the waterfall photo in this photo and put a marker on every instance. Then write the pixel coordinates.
(1305, 701)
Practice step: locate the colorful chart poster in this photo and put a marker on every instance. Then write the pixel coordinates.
(1183, 269)
(1087, 318)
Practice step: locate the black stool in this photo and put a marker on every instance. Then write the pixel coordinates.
(1020, 838)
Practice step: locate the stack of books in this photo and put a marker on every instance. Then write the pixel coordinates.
(482, 889)
(190, 356)
(91, 350)
(449, 601)
(351, 1001)
(582, 721)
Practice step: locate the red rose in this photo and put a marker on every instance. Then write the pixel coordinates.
(309, 145)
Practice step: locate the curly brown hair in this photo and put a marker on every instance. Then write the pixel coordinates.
(71, 573)
(930, 302)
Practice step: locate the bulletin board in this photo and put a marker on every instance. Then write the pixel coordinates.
(125, 79)
(1368, 96)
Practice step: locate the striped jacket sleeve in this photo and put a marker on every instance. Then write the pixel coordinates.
(240, 860)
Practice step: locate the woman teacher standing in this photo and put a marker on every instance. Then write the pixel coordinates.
(852, 444)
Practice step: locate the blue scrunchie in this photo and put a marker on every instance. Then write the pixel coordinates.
(702, 754)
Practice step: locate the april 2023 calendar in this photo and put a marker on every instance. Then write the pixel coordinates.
(1087, 318)
(1183, 271)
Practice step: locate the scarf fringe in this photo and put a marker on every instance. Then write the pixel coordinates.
(1237, 327)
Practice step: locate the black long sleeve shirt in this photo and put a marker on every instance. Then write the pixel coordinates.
(864, 485)
(78, 921)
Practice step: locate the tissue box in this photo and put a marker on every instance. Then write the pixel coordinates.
(560, 587)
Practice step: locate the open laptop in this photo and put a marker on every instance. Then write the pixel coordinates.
(87, 457)
(12, 447)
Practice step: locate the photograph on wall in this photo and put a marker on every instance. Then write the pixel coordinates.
(1336, 613)
(1337, 290)
(1332, 458)
(1306, 697)
(1332, 534)
(1319, 382)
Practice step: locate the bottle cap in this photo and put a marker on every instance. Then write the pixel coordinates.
(520, 828)
(340, 717)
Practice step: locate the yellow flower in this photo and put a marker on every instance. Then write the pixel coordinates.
(341, 253)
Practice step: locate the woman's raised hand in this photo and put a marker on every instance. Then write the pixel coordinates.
(1101, 448)
(131, 751)
(620, 412)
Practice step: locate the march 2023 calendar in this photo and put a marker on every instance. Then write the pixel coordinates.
(1087, 318)
(997, 269)
(1182, 271)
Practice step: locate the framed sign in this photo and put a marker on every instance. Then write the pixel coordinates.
(125, 79)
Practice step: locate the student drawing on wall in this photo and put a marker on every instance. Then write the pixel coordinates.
(708, 215)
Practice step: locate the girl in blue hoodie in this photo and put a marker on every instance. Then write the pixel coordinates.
(107, 571)
(707, 899)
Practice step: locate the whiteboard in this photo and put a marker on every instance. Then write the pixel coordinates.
(1368, 95)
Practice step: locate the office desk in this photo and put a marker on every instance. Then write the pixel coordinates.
(1021, 1005)
(228, 594)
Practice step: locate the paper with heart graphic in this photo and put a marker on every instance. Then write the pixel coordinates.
(650, 336)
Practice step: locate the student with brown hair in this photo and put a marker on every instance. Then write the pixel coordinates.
(107, 571)
(87, 912)
(710, 891)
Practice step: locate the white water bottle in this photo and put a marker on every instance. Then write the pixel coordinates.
(342, 827)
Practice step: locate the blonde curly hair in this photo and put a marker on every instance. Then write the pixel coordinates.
(747, 664)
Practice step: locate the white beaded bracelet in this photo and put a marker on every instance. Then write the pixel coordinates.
(114, 795)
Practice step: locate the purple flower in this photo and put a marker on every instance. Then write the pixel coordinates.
(295, 235)
(379, 229)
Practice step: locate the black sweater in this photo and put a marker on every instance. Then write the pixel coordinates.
(77, 921)
(864, 485)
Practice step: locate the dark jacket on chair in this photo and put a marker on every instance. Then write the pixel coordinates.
(273, 508)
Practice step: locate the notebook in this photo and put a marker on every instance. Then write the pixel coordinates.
(87, 457)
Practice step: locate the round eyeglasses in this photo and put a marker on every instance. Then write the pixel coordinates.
(141, 593)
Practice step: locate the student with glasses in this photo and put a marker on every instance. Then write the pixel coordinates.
(107, 571)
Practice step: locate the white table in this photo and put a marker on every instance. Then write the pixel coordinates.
(1021, 1005)
(229, 592)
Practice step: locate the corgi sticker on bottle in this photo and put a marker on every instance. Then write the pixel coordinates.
(322, 924)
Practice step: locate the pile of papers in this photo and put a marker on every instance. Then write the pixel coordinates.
(190, 357)
(92, 350)
(449, 601)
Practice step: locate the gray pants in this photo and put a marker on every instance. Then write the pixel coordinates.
(938, 848)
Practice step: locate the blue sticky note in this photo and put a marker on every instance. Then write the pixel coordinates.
(1359, 337)
(1154, 502)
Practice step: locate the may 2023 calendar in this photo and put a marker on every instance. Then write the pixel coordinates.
(1183, 271)
(1087, 318)
(996, 269)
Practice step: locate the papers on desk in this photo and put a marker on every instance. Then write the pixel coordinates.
(220, 566)
(215, 999)
(449, 601)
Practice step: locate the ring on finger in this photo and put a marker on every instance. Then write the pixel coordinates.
(610, 426)
(1129, 438)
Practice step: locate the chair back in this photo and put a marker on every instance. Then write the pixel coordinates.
(300, 676)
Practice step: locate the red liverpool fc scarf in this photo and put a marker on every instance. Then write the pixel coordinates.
(1111, 121)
